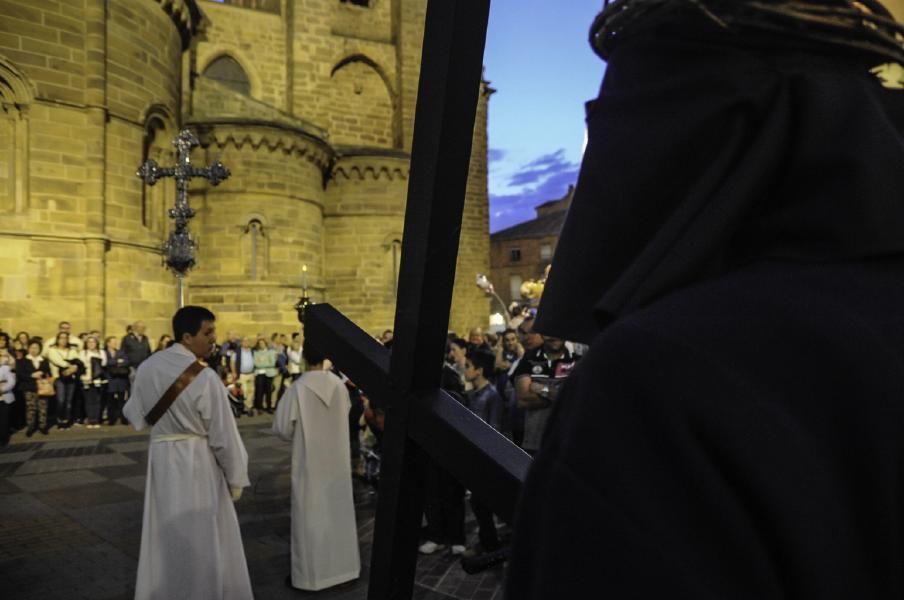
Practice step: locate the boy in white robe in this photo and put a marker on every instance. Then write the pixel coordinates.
(313, 415)
(191, 546)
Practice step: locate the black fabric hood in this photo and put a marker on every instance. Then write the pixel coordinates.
(709, 150)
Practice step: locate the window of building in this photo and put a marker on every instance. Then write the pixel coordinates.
(157, 146)
(396, 247)
(515, 255)
(227, 71)
(356, 2)
(546, 252)
(254, 249)
(515, 282)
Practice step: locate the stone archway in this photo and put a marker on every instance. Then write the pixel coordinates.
(361, 101)
(16, 96)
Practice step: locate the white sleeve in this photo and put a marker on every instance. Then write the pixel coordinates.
(10, 381)
(286, 414)
(222, 432)
(134, 409)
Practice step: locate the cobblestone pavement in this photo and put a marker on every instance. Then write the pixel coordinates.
(70, 520)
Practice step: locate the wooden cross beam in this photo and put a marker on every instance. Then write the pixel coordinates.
(421, 418)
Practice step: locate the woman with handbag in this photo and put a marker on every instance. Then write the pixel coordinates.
(64, 366)
(117, 381)
(93, 382)
(36, 385)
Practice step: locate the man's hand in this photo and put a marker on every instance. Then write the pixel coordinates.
(236, 493)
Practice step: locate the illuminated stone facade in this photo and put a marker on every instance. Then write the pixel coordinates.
(310, 103)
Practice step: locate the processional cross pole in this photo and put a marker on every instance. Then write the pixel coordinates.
(421, 419)
(179, 248)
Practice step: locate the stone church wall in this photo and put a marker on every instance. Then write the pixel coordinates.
(280, 185)
(77, 232)
(363, 218)
(257, 40)
(89, 89)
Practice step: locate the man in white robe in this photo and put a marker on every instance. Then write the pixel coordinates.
(191, 546)
(313, 415)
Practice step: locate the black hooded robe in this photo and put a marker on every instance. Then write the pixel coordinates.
(735, 253)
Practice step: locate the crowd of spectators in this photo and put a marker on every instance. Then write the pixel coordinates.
(511, 380)
(64, 380)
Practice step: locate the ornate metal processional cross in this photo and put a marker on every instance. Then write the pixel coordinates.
(421, 419)
(179, 248)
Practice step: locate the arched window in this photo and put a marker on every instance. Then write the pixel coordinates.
(254, 249)
(157, 146)
(229, 72)
(356, 2)
(15, 99)
(396, 248)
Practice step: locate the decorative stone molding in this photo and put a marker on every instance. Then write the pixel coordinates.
(185, 15)
(266, 135)
(372, 164)
(15, 87)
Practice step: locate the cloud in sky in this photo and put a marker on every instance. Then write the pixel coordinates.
(494, 155)
(540, 169)
(544, 178)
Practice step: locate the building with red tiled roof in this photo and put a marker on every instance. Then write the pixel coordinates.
(523, 251)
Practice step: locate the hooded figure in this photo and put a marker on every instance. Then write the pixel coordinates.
(734, 254)
(313, 415)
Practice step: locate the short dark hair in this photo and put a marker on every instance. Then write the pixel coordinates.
(460, 342)
(188, 320)
(482, 359)
(37, 341)
(311, 355)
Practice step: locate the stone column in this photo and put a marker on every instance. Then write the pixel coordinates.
(95, 160)
(95, 275)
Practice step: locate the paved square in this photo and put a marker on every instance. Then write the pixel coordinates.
(70, 521)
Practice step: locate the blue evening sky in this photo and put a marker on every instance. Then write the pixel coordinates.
(540, 63)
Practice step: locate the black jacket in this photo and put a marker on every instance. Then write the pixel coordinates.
(136, 350)
(25, 369)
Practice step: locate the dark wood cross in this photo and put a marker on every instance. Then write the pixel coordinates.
(421, 419)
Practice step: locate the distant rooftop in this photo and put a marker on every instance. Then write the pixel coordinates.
(549, 220)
